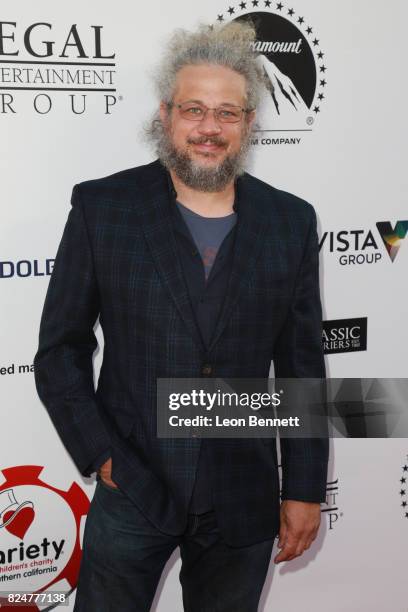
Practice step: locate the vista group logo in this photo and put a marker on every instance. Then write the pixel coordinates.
(363, 246)
(40, 549)
(294, 67)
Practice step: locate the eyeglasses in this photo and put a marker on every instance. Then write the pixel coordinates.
(193, 111)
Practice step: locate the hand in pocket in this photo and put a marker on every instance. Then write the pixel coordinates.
(105, 473)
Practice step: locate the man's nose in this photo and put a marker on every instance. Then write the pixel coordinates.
(209, 124)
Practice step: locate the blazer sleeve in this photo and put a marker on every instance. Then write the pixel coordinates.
(63, 367)
(298, 353)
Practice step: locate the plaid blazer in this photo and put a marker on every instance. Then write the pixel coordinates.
(118, 259)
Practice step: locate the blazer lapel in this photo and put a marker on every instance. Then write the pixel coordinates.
(249, 238)
(155, 216)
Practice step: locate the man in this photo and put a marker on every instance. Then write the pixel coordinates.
(195, 269)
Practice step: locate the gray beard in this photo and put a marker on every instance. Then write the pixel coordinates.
(188, 171)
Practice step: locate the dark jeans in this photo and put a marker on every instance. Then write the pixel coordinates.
(124, 556)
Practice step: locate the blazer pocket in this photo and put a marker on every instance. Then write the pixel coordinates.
(108, 487)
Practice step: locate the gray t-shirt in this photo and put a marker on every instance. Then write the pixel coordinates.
(207, 232)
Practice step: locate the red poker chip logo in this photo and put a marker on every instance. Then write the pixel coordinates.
(40, 535)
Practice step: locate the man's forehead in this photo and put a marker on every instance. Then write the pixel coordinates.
(199, 81)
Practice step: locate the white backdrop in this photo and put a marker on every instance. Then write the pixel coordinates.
(350, 163)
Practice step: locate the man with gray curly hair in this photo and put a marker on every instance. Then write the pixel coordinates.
(203, 56)
(197, 269)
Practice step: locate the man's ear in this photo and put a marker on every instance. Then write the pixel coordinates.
(250, 117)
(164, 112)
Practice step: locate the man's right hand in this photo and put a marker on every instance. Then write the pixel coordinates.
(105, 473)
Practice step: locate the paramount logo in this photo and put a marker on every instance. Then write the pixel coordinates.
(265, 46)
(294, 67)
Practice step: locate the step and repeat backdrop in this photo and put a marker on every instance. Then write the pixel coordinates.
(75, 92)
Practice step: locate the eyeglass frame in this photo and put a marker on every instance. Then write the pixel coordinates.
(207, 108)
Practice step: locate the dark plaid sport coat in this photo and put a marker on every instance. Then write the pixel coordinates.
(118, 259)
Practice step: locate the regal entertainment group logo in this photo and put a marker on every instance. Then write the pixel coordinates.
(49, 65)
(294, 68)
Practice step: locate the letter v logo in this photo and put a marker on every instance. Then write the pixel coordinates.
(392, 238)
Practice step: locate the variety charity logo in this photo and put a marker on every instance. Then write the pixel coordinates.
(40, 526)
(51, 66)
(363, 246)
(293, 65)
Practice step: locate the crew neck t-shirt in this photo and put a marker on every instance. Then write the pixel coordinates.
(207, 232)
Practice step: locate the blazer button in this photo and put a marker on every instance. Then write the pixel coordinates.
(206, 369)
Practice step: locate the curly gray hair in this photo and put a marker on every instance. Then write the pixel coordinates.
(231, 45)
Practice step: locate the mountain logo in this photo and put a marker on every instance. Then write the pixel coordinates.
(294, 68)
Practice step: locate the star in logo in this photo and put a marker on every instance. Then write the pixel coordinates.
(220, 18)
(301, 20)
(291, 12)
(403, 479)
(317, 109)
(279, 6)
(231, 10)
(309, 30)
(267, 3)
(320, 55)
(316, 42)
(323, 83)
(243, 5)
